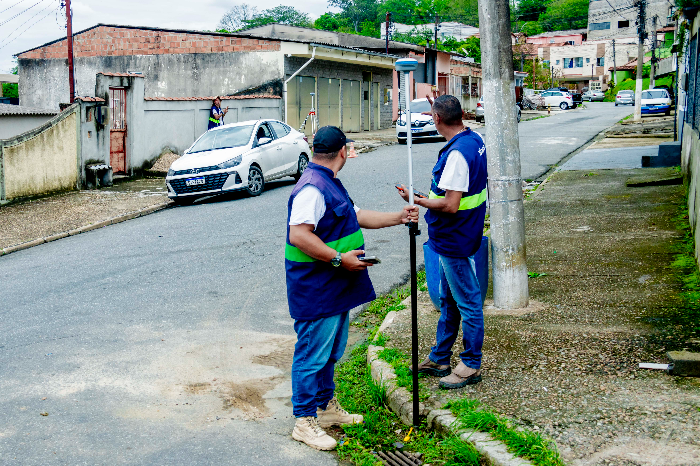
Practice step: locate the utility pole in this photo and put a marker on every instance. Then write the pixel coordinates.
(551, 76)
(534, 72)
(614, 66)
(641, 30)
(653, 54)
(591, 84)
(437, 74)
(388, 20)
(69, 26)
(510, 287)
(522, 58)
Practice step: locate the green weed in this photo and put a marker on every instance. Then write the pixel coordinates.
(523, 443)
(536, 274)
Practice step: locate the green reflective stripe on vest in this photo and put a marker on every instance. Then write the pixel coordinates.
(466, 203)
(345, 244)
(213, 120)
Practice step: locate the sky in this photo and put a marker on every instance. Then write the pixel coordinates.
(44, 20)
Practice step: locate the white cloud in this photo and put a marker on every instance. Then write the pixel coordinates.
(175, 14)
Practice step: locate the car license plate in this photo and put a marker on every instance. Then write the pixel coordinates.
(194, 181)
(416, 130)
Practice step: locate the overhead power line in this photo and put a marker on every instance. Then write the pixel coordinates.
(5, 42)
(21, 12)
(12, 6)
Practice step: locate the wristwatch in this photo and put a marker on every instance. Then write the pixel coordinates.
(335, 262)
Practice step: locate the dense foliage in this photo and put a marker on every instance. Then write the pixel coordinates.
(536, 16)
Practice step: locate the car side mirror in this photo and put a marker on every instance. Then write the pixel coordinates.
(263, 141)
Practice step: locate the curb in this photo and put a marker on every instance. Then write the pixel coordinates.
(85, 229)
(441, 420)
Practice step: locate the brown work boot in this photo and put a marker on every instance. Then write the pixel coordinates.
(308, 431)
(335, 415)
(460, 377)
(431, 368)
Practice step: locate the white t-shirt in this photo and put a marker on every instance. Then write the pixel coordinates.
(309, 206)
(455, 175)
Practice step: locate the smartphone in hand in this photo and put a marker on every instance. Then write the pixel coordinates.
(370, 259)
(415, 192)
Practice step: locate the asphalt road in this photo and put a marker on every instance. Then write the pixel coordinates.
(167, 339)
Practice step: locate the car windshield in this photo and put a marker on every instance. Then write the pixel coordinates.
(420, 106)
(626, 93)
(235, 136)
(656, 94)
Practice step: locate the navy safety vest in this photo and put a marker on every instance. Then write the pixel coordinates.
(459, 234)
(316, 289)
(213, 122)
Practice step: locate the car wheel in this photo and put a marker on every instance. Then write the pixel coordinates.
(256, 182)
(303, 162)
(563, 106)
(668, 113)
(518, 116)
(184, 200)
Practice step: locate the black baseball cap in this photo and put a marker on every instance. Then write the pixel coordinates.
(329, 139)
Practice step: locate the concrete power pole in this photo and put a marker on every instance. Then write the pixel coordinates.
(388, 19)
(69, 39)
(653, 54)
(641, 30)
(614, 65)
(510, 287)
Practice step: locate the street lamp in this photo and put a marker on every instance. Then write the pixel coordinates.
(405, 66)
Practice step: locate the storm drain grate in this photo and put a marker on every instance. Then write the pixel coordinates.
(399, 458)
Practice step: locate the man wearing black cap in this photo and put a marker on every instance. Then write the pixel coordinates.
(325, 280)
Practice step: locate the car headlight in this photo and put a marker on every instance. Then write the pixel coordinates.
(171, 172)
(431, 122)
(231, 163)
(402, 123)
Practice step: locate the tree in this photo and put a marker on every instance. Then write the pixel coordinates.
(565, 14)
(530, 10)
(235, 18)
(357, 11)
(281, 14)
(11, 89)
(333, 22)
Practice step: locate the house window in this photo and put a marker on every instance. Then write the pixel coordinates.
(579, 62)
(588, 60)
(558, 61)
(599, 26)
(545, 63)
(387, 95)
(623, 24)
(568, 62)
(551, 41)
(600, 61)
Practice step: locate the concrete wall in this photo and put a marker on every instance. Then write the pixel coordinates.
(45, 81)
(13, 125)
(602, 11)
(43, 160)
(338, 70)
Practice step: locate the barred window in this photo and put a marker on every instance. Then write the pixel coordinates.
(599, 26)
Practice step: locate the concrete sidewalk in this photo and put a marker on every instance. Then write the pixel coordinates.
(569, 366)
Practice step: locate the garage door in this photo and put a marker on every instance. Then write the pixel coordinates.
(351, 105)
(299, 92)
(329, 101)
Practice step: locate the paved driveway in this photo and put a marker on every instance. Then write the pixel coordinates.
(167, 339)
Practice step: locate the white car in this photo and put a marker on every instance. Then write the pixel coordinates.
(559, 99)
(422, 126)
(593, 95)
(479, 112)
(656, 101)
(237, 156)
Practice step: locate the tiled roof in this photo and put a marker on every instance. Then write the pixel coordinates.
(569, 32)
(89, 99)
(630, 66)
(123, 75)
(667, 29)
(225, 97)
(7, 109)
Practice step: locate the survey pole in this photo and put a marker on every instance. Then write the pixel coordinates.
(405, 66)
(69, 39)
(510, 287)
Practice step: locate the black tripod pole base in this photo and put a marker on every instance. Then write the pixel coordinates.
(413, 232)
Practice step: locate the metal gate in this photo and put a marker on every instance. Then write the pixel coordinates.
(376, 106)
(351, 105)
(117, 135)
(299, 92)
(329, 102)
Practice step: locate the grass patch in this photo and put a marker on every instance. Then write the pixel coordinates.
(537, 117)
(526, 444)
(359, 394)
(630, 84)
(536, 274)
(626, 118)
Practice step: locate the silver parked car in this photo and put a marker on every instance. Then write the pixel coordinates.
(624, 98)
(479, 113)
(593, 95)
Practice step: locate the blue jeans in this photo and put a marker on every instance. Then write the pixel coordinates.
(320, 344)
(460, 300)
